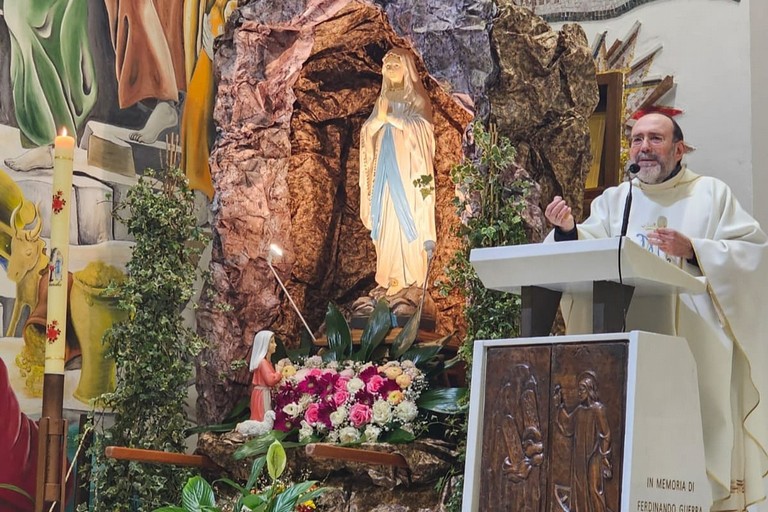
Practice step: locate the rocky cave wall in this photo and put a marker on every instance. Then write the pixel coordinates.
(291, 101)
(295, 83)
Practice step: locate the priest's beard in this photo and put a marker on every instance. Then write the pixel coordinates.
(653, 173)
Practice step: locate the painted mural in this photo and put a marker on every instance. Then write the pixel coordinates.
(126, 78)
(580, 10)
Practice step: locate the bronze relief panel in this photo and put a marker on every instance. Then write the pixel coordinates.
(515, 429)
(553, 427)
(587, 426)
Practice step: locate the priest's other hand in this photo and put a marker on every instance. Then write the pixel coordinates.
(672, 242)
(559, 213)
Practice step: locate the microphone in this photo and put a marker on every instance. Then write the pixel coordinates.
(632, 169)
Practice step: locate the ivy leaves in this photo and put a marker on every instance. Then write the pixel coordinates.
(153, 350)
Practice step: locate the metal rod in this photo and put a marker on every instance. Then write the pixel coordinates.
(295, 308)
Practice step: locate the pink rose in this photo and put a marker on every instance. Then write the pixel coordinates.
(340, 397)
(312, 414)
(347, 373)
(359, 415)
(374, 384)
(314, 372)
(341, 384)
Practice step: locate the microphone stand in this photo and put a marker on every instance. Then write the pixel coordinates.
(632, 169)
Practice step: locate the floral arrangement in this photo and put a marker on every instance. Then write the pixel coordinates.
(347, 402)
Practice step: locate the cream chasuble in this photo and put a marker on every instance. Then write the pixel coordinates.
(725, 328)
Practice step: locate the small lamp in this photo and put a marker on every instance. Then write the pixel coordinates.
(276, 252)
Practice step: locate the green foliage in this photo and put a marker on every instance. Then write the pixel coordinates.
(490, 203)
(426, 184)
(154, 352)
(376, 329)
(338, 334)
(444, 400)
(276, 460)
(260, 445)
(198, 495)
(379, 324)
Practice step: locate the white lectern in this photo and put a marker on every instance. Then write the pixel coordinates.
(607, 421)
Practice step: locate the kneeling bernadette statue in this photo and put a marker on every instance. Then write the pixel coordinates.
(397, 149)
(264, 378)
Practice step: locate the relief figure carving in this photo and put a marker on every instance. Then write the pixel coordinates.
(521, 427)
(586, 424)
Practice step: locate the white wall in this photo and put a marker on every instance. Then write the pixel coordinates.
(759, 59)
(706, 47)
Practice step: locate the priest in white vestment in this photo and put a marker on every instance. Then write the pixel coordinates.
(695, 222)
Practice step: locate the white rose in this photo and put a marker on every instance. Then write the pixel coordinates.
(332, 365)
(349, 435)
(382, 412)
(292, 409)
(372, 433)
(355, 385)
(407, 364)
(338, 416)
(406, 410)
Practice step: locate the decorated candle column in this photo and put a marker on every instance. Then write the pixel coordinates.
(50, 490)
(63, 153)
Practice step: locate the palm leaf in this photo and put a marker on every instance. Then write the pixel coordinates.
(406, 337)
(443, 400)
(379, 324)
(337, 331)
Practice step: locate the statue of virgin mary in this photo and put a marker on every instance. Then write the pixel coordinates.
(397, 149)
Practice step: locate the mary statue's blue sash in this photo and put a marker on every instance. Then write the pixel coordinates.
(388, 174)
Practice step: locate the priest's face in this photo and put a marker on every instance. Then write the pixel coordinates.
(653, 148)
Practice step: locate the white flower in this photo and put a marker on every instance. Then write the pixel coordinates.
(349, 435)
(305, 400)
(338, 416)
(314, 362)
(406, 410)
(333, 437)
(332, 365)
(372, 433)
(305, 432)
(407, 364)
(292, 409)
(413, 373)
(382, 412)
(355, 385)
